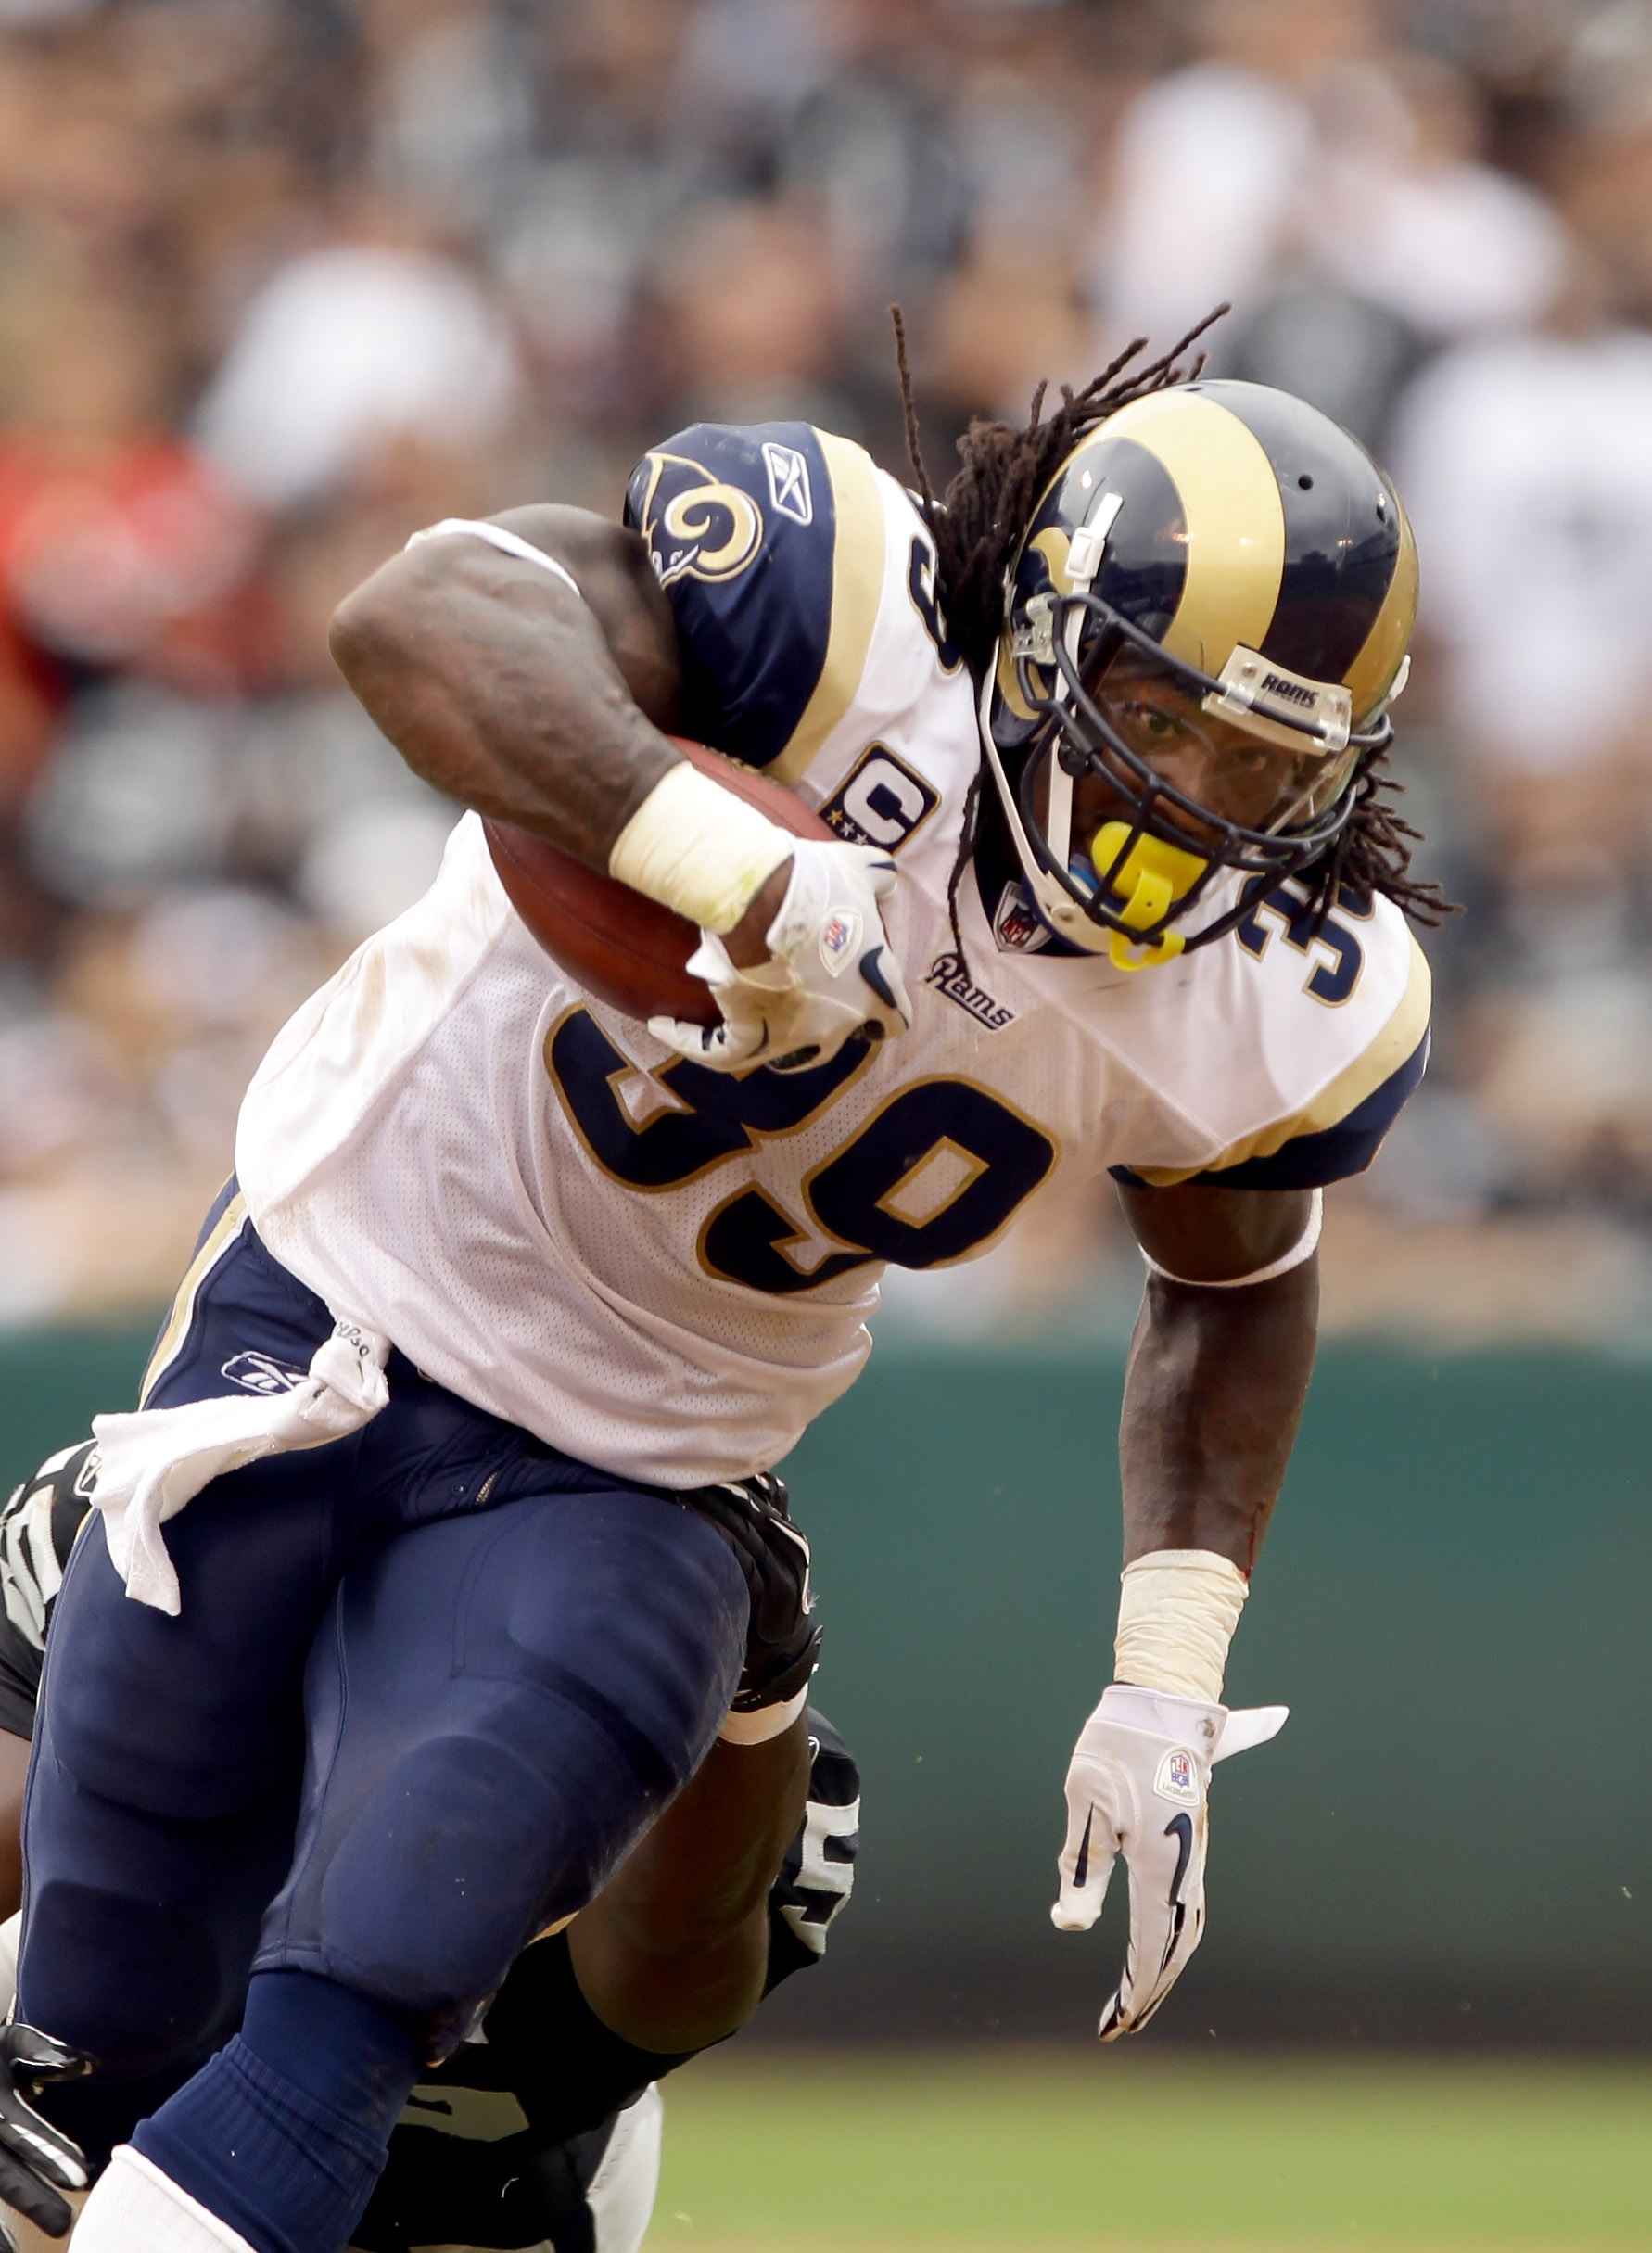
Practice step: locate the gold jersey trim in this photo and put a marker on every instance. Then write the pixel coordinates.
(856, 592)
(1396, 1041)
(230, 1223)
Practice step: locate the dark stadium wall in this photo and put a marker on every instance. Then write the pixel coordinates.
(1452, 1841)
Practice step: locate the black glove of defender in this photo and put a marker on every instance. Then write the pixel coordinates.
(36, 2159)
(782, 1645)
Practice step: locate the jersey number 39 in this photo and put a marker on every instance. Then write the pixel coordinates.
(932, 1174)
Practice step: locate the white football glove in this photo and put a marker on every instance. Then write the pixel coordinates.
(1138, 1786)
(832, 971)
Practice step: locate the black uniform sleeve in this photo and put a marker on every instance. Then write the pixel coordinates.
(37, 1531)
(817, 1874)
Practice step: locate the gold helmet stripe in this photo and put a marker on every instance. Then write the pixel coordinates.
(1371, 675)
(1234, 521)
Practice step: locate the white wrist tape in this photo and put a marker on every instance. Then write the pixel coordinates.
(1306, 1244)
(1178, 1611)
(508, 543)
(767, 1722)
(696, 848)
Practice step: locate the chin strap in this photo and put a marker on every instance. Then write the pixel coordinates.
(1063, 915)
(1154, 873)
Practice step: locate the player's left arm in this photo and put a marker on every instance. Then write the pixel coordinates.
(1217, 1377)
(1214, 1392)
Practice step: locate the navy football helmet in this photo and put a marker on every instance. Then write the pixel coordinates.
(1204, 626)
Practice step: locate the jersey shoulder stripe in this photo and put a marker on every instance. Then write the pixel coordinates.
(768, 543)
(1334, 1153)
(1337, 1132)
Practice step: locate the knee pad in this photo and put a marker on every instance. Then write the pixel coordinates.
(423, 1897)
(139, 1932)
(134, 1985)
(631, 1608)
(186, 1718)
(499, 1707)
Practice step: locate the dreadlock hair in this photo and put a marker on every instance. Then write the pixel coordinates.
(977, 525)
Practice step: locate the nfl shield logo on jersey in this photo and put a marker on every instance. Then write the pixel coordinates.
(839, 940)
(1015, 924)
(1177, 1779)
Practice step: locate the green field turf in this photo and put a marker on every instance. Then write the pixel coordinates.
(1060, 2152)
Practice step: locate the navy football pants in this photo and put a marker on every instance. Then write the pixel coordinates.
(428, 1685)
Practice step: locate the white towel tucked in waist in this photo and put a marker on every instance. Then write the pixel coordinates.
(151, 1463)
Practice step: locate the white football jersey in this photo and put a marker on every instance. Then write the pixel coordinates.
(667, 1271)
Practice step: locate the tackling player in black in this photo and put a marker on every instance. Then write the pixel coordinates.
(543, 2132)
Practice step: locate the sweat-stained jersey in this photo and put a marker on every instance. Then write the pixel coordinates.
(667, 1271)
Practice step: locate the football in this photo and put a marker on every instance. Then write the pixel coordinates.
(627, 951)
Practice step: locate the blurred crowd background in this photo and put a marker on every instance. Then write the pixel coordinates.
(282, 280)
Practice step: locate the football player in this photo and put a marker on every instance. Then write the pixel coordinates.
(510, 1288)
(544, 2128)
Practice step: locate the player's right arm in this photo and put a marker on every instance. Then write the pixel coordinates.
(538, 695)
(510, 692)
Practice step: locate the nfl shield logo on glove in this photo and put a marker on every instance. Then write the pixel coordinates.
(839, 940)
(1177, 1779)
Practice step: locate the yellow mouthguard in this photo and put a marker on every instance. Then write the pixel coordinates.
(1154, 875)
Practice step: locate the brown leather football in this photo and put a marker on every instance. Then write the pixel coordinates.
(627, 951)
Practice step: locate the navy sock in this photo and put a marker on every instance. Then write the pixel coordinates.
(284, 2134)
